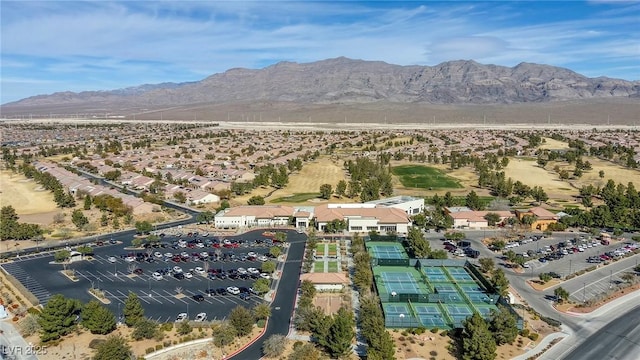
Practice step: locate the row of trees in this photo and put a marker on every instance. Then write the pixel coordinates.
(62, 198)
(380, 345)
(369, 179)
(11, 229)
(420, 247)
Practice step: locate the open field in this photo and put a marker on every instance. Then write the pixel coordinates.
(611, 171)
(321, 171)
(26, 196)
(424, 177)
(552, 144)
(530, 173)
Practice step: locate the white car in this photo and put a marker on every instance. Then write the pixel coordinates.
(265, 276)
(112, 259)
(199, 245)
(205, 234)
(156, 276)
(251, 254)
(262, 258)
(253, 270)
(130, 259)
(188, 275)
(182, 317)
(177, 269)
(201, 317)
(233, 290)
(200, 271)
(204, 254)
(242, 271)
(168, 255)
(158, 254)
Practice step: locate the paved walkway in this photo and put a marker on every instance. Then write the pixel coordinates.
(14, 346)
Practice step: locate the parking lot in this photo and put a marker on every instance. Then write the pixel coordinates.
(228, 270)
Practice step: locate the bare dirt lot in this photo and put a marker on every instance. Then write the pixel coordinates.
(530, 173)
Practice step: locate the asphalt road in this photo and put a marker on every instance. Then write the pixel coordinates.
(284, 302)
(617, 339)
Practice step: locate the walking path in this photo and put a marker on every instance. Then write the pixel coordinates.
(14, 346)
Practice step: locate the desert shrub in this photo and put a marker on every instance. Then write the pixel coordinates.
(434, 330)
(166, 327)
(93, 344)
(524, 332)
(533, 336)
(159, 347)
(401, 338)
(149, 350)
(550, 321)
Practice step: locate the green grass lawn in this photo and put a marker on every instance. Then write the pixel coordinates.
(333, 250)
(333, 266)
(318, 266)
(295, 198)
(320, 250)
(424, 177)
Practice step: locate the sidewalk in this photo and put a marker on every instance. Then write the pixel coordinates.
(15, 345)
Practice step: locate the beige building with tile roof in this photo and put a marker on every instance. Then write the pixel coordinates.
(363, 218)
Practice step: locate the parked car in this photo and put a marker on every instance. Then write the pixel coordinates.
(182, 317)
(157, 276)
(201, 317)
(233, 290)
(138, 271)
(178, 276)
(198, 297)
(112, 259)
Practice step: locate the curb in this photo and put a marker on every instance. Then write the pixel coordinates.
(199, 341)
(264, 329)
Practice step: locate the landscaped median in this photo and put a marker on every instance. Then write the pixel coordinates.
(191, 349)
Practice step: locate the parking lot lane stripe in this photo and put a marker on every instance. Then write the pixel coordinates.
(153, 297)
(106, 276)
(167, 298)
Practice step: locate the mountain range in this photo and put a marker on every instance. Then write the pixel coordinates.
(347, 81)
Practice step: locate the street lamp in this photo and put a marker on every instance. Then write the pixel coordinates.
(584, 294)
(569, 267)
(149, 281)
(610, 279)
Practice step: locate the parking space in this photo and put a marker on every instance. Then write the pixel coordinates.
(191, 276)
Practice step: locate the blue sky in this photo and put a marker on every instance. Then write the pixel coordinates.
(51, 46)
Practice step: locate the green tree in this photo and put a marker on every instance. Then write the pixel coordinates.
(472, 201)
(242, 320)
(561, 294)
(261, 311)
(341, 188)
(305, 351)
(545, 277)
(61, 255)
(8, 222)
(143, 227)
(114, 348)
(274, 346)
(180, 197)
(417, 243)
(268, 267)
(78, 219)
(144, 329)
(500, 282)
(223, 334)
(601, 174)
(325, 191)
(58, 317)
(87, 202)
(487, 265)
(492, 218)
(448, 199)
(341, 333)
(503, 325)
(256, 200)
(97, 318)
(478, 342)
(275, 251)
(133, 311)
(261, 286)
